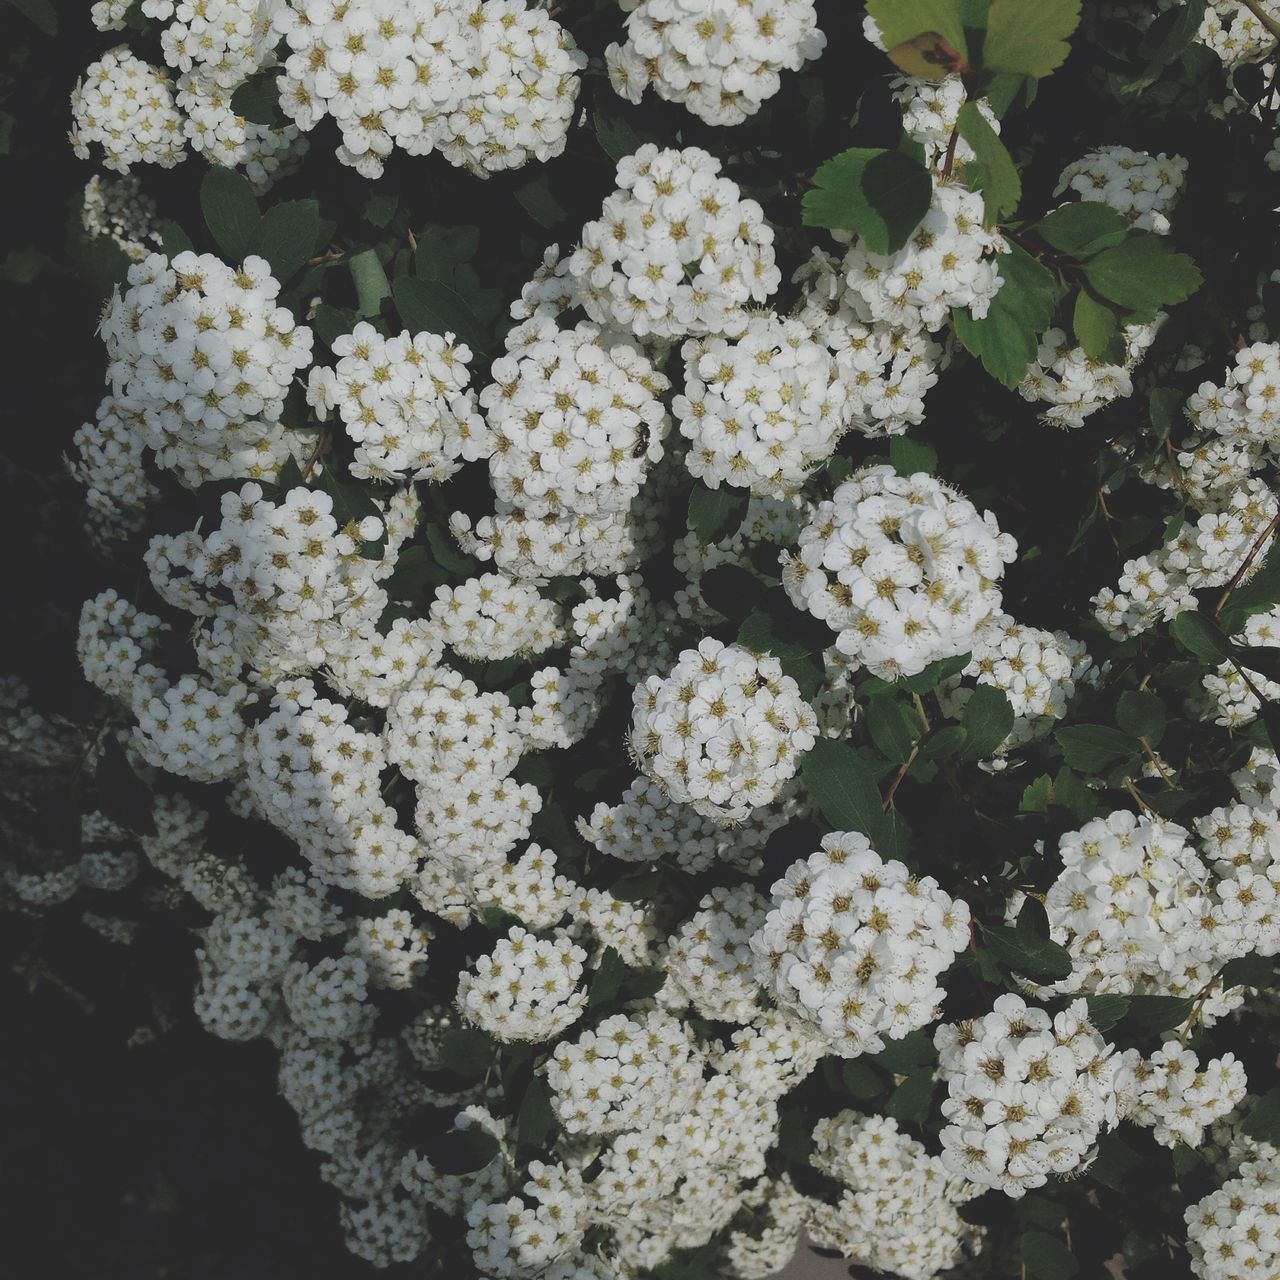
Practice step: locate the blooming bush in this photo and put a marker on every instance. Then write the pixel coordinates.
(687, 593)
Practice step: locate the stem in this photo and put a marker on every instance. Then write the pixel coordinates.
(1258, 12)
(898, 777)
(1151, 755)
(1137, 795)
(949, 163)
(315, 456)
(1201, 996)
(1259, 543)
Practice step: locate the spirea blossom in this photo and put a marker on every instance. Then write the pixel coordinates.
(126, 107)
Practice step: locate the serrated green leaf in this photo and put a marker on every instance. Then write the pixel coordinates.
(1143, 273)
(843, 787)
(894, 727)
(1082, 228)
(999, 182)
(1116, 1159)
(1029, 37)
(860, 1080)
(467, 1052)
(1263, 1119)
(880, 194)
(902, 20)
(1091, 748)
(537, 201)
(1141, 713)
(1106, 1011)
(463, 1151)
(616, 137)
(1252, 970)
(910, 1100)
(1007, 339)
(258, 101)
(716, 513)
(230, 211)
(1096, 325)
(535, 1119)
(1038, 958)
(287, 236)
(987, 719)
(1046, 1257)
(946, 742)
(370, 279)
(1152, 1014)
(1200, 635)
(431, 306)
(608, 978)
(907, 1055)
(911, 456)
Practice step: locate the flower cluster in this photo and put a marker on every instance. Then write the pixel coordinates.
(403, 401)
(1234, 1232)
(1137, 184)
(676, 250)
(903, 569)
(722, 731)
(1171, 1093)
(489, 83)
(126, 107)
(1028, 1094)
(720, 60)
(855, 945)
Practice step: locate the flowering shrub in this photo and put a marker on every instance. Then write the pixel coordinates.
(687, 591)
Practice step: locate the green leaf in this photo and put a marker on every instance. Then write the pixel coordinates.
(1082, 228)
(173, 240)
(258, 101)
(1106, 1011)
(1198, 634)
(730, 590)
(463, 1151)
(906, 1056)
(370, 280)
(538, 202)
(1260, 592)
(330, 323)
(230, 211)
(764, 631)
(447, 554)
(945, 742)
(894, 727)
(1141, 713)
(902, 20)
(716, 513)
(1152, 1014)
(1143, 274)
(1092, 747)
(1115, 1161)
(1040, 959)
(287, 236)
(616, 137)
(1007, 338)
(934, 674)
(535, 1120)
(1046, 1257)
(380, 208)
(880, 194)
(1029, 36)
(467, 1052)
(41, 12)
(433, 307)
(843, 787)
(1252, 970)
(1263, 1120)
(860, 1080)
(987, 719)
(795, 1135)
(1096, 325)
(1164, 409)
(1185, 1159)
(636, 888)
(608, 978)
(910, 1100)
(998, 178)
(910, 456)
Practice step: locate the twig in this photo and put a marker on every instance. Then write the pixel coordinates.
(1259, 543)
(1200, 997)
(1137, 795)
(1258, 12)
(949, 162)
(315, 455)
(1155, 760)
(898, 777)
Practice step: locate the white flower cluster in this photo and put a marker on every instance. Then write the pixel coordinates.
(221, 42)
(624, 1073)
(780, 1213)
(1235, 32)
(109, 463)
(855, 945)
(1027, 1094)
(723, 731)
(897, 1211)
(490, 85)
(721, 58)
(1234, 1232)
(1235, 701)
(575, 423)
(886, 369)
(951, 261)
(525, 988)
(1246, 407)
(118, 208)
(1138, 910)
(1142, 187)
(1075, 384)
(903, 569)
(201, 357)
(494, 617)
(930, 112)
(676, 250)
(1172, 1094)
(1204, 553)
(1038, 671)
(126, 107)
(760, 412)
(403, 401)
